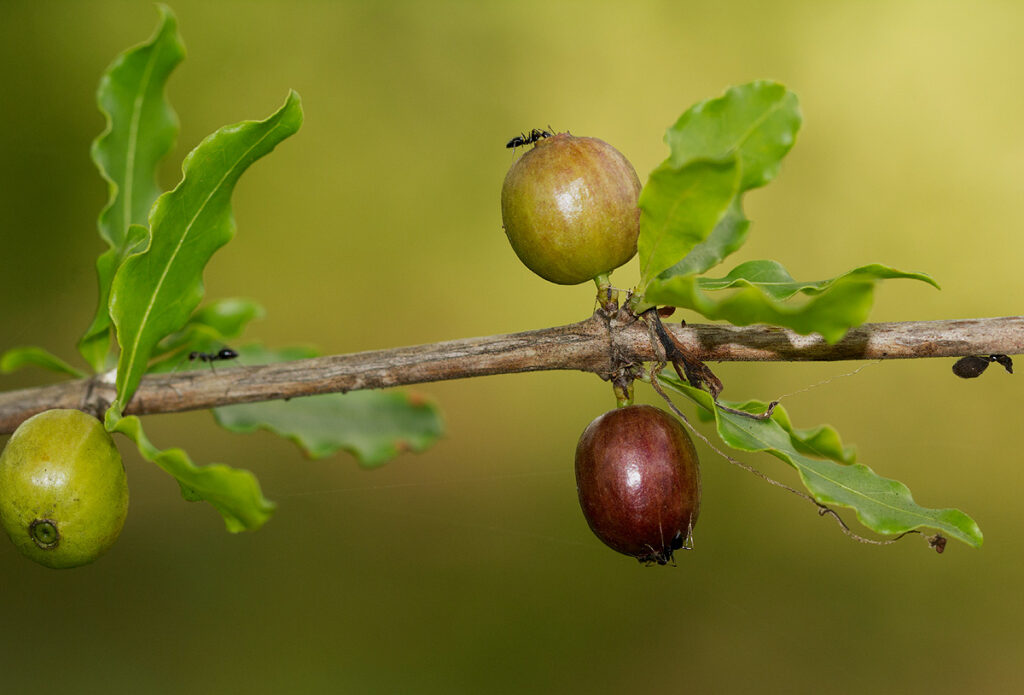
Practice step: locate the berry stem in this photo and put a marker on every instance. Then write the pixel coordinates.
(607, 296)
(623, 392)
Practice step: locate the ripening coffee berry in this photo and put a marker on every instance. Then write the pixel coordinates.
(63, 491)
(569, 208)
(639, 482)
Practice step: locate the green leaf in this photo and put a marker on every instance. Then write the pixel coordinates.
(141, 129)
(822, 441)
(228, 317)
(760, 290)
(209, 329)
(726, 238)
(235, 493)
(156, 290)
(679, 207)
(375, 426)
(19, 357)
(882, 505)
(757, 122)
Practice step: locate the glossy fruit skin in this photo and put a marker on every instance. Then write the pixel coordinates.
(569, 208)
(638, 480)
(63, 489)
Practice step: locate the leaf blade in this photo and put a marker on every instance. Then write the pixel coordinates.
(374, 426)
(155, 291)
(233, 492)
(19, 357)
(883, 505)
(679, 207)
(758, 123)
(140, 130)
(760, 290)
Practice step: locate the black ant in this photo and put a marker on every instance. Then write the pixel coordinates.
(220, 356)
(528, 138)
(665, 556)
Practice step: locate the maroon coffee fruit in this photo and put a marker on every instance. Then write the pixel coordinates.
(569, 208)
(639, 482)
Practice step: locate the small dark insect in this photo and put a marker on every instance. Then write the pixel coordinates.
(220, 356)
(528, 138)
(937, 543)
(973, 366)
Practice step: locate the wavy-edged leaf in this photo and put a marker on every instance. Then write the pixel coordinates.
(726, 238)
(19, 357)
(141, 130)
(881, 504)
(679, 207)
(822, 441)
(759, 123)
(375, 426)
(234, 492)
(155, 291)
(759, 290)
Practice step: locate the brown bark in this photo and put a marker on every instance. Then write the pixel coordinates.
(595, 345)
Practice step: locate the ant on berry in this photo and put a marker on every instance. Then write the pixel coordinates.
(528, 138)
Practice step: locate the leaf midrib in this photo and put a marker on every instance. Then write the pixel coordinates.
(133, 141)
(661, 235)
(181, 241)
(802, 467)
(776, 106)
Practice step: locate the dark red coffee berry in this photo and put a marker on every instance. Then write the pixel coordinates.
(639, 482)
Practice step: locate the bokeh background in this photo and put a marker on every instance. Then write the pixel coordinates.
(470, 568)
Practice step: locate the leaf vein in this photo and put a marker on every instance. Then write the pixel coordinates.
(188, 228)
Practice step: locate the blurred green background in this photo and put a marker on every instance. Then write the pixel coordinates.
(470, 568)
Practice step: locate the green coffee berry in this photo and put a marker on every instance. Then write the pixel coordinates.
(569, 208)
(63, 490)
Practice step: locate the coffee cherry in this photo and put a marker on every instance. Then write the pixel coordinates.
(63, 491)
(639, 482)
(569, 207)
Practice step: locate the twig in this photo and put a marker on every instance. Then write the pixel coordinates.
(593, 346)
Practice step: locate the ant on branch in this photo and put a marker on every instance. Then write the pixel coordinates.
(221, 355)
